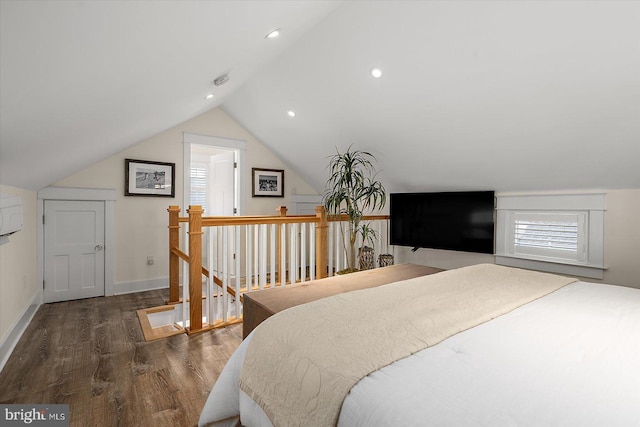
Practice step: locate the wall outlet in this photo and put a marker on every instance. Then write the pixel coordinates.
(150, 260)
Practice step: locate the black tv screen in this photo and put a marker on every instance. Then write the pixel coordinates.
(458, 221)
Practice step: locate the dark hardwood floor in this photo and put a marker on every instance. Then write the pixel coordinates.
(91, 354)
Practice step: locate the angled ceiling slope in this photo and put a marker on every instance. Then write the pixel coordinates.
(510, 96)
(83, 80)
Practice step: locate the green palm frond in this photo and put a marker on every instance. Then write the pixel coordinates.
(351, 189)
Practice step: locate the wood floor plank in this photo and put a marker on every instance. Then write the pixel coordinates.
(91, 354)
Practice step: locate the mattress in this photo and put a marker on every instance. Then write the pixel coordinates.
(570, 358)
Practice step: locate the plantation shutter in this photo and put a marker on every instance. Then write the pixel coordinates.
(551, 236)
(199, 177)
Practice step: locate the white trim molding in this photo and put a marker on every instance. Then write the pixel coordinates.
(141, 285)
(590, 207)
(17, 329)
(71, 193)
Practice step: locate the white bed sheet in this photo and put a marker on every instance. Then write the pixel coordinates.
(571, 358)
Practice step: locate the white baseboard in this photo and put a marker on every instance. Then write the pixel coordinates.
(141, 285)
(17, 329)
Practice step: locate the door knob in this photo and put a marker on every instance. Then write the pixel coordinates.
(98, 248)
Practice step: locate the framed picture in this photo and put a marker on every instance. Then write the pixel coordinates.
(145, 178)
(267, 182)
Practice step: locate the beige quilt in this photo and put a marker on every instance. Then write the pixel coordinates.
(302, 362)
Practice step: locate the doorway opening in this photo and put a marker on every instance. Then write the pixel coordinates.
(213, 180)
(213, 174)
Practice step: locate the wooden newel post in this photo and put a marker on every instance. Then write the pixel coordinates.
(195, 267)
(321, 243)
(174, 260)
(282, 271)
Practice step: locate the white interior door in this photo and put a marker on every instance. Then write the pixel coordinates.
(73, 249)
(221, 188)
(222, 184)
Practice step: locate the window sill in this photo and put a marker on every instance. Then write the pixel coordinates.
(589, 271)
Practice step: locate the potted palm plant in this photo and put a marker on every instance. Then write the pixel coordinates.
(351, 190)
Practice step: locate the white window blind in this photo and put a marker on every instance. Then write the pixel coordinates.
(199, 178)
(557, 236)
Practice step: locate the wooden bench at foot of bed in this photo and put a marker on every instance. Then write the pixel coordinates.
(260, 305)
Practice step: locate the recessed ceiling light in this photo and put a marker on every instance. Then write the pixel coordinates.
(376, 72)
(273, 34)
(209, 96)
(291, 113)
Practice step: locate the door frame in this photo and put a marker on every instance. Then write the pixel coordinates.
(214, 141)
(106, 195)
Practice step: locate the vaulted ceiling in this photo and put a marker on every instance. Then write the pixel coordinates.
(509, 96)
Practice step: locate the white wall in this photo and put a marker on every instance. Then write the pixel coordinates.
(18, 267)
(622, 238)
(621, 244)
(440, 258)
(141, 222)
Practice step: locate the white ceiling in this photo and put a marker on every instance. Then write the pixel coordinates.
(83, 80)
(509, 96)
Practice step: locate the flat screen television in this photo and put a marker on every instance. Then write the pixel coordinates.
(458, 221)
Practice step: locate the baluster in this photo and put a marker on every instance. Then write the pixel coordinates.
(283, 254)
(282, 250)
(263, 255)
(256, 255)
(236, 258)
(312, 251)
(248, 253)
(338, 242)
(303, 252)
(210, 280)
(294, 252)
(230, 238)
(225, 278)
(272, 254)
(330, 245)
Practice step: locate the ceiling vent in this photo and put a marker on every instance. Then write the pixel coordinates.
(219, 81)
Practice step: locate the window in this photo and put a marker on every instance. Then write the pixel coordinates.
(552, 236)
(199, 176)
(557, 233)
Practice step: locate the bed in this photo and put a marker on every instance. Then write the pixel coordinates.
(555, 352)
